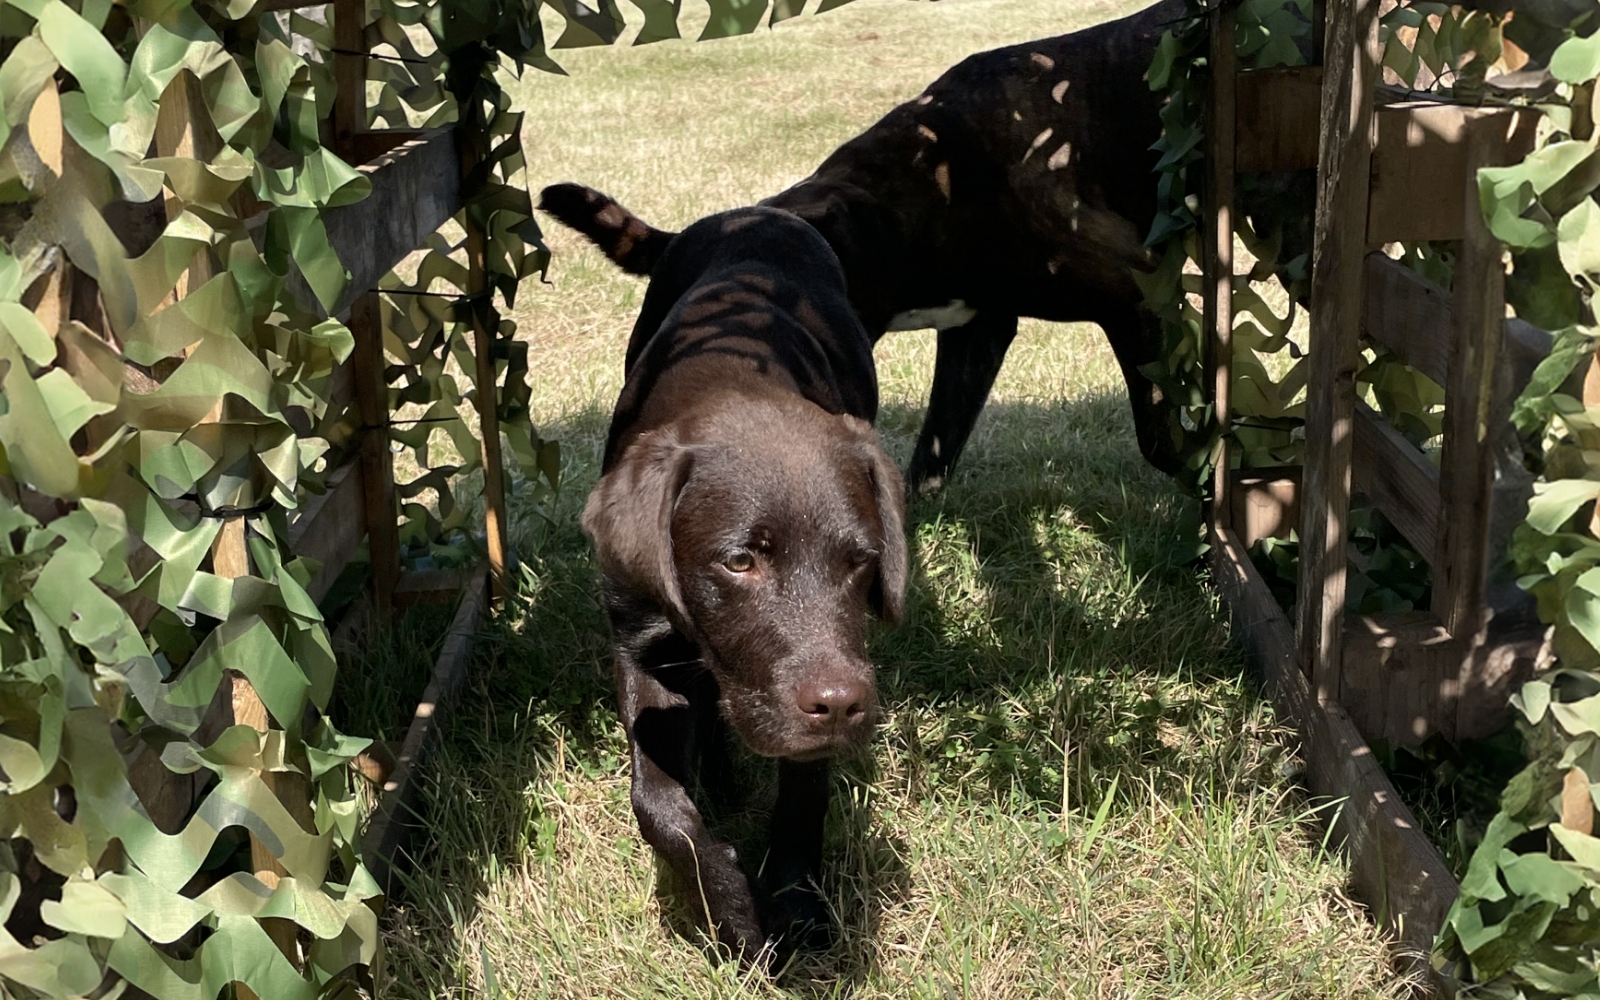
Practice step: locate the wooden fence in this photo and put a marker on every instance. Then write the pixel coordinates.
(1389, 169)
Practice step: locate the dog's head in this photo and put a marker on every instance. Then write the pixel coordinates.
(765, 531)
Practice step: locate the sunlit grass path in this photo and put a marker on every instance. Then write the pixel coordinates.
(1075, 792)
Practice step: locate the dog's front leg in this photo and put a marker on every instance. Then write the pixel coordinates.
(661, 725)
(1136, 339)
(793, 869)
(964, 370)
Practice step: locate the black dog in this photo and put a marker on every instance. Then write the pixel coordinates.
(746, 520)
(1020, 183)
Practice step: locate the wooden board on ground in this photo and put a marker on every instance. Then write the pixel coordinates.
(384, 844)
(1393, 867)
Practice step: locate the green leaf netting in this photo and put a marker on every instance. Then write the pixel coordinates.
(1528, 920)
(1268, 361)
(168, 371)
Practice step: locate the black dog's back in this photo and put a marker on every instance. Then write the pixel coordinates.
(753, 296)
(1014, 159)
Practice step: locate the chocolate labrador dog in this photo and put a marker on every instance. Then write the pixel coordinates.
(1019, 183)
(746, 521)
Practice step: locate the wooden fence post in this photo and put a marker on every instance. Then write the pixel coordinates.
(494, 491)
(183, 129)
(1337, 289)
(1466, 467)
(294, 792)
(349, 74)
(1218, 265)
(377, 465)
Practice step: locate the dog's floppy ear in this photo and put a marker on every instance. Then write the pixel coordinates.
(629, 518)
(632, 244)
(889, 490)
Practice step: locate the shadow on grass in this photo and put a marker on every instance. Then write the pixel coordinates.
(1055, 637)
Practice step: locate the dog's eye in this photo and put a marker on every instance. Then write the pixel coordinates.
(739, 562)
(860, 559)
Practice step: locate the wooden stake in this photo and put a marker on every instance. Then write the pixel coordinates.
(494, 491)
(349, 74)
(45, 130)
(1337, 285)
(1466, 466)
(230, 556)
(184, 129)
(377, 467)
(1218, 318)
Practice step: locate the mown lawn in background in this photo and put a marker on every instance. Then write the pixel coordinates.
(1075, 792)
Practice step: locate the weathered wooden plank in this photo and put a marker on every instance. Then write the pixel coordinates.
(1416, 319)
(1265, 503)
(1217, 307)
(1406, 679)
(1466, 465)
(416, 188)
(1397, 477)
(1419, 168)
(380, 510)
(365, 147)
(384, 842)
(349, 74)
(430, 586)
(1337, 286)
(1398, 683)
(495, 521)
(1410, 315)
(1393, 867)
(1276, 118)
(331, 527)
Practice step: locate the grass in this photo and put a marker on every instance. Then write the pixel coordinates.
(383, 671)
(1075, 793)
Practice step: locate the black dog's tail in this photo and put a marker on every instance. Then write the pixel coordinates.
(632, 244)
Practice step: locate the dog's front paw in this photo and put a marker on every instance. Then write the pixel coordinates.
(741, 934)
(797, 918)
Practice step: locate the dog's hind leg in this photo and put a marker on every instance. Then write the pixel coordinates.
(968, 361)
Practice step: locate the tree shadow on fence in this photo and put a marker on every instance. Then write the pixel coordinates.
(1054, 616)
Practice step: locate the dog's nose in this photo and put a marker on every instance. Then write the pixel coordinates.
(833, 704)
